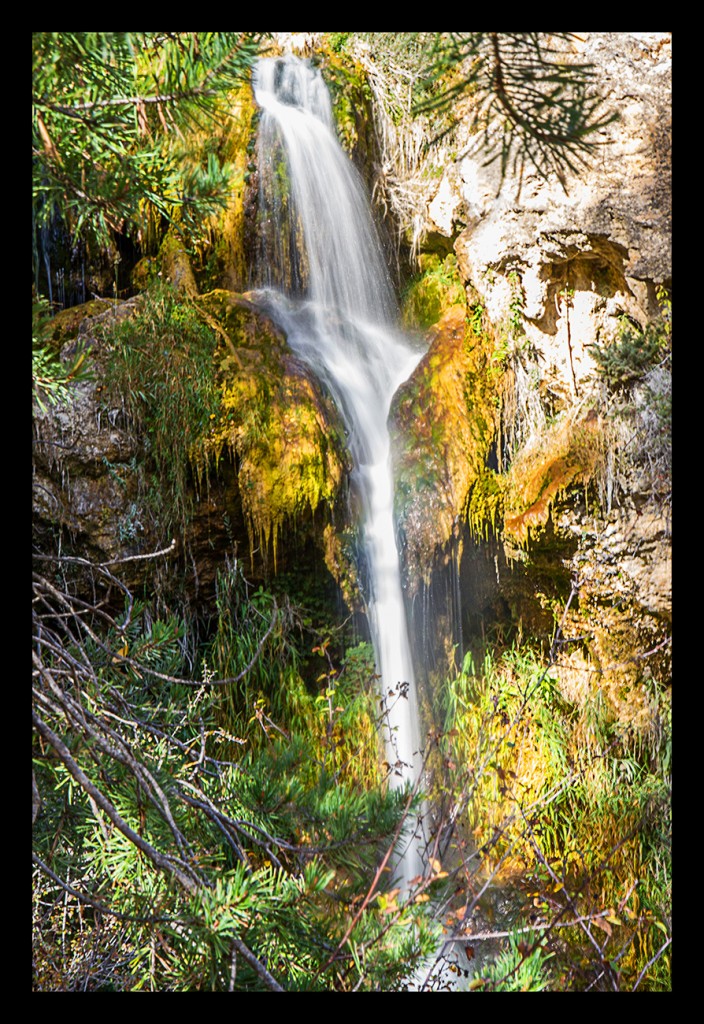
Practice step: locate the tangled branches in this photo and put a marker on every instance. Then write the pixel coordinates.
(161, 860)
(74, 690)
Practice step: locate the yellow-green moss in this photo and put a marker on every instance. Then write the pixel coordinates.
(516, 505)
(430, 295)
(339, 548)
(176, 264)
(351, 98)
(226, 258)
(486, 505)
(272, 420)
(444, 422)
(145, 272)
(570, 452)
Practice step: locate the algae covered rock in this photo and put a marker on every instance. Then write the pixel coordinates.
(275, 422)
(443, 423)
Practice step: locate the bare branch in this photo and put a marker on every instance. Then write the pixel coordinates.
(652, 960)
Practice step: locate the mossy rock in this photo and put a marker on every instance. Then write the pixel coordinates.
(145, 272)
(352, 104)
(571, 452)
(64, 326)
(433, 292)
(176, 265)
(443, 424)
(281, 431)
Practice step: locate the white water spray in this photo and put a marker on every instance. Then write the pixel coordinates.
(330, 292)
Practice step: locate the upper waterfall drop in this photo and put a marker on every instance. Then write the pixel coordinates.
(328, 287)
(326, 203)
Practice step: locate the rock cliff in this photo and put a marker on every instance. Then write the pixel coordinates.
(568, 491)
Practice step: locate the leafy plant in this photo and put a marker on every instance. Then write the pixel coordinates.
(575, 813)
(626, 361)
(108, 109)
(52, 379)
(521, 967)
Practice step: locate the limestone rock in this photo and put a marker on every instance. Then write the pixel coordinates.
(589, 255)
(573, 263)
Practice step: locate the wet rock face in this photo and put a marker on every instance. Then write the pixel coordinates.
(441, 424)
(85, 456)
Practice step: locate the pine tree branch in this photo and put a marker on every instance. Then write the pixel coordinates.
(268, 979)
(161, 861)
(96, 904)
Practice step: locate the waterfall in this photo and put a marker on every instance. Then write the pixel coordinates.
(328, 287)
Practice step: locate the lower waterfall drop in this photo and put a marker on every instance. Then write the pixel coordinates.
(328, 288)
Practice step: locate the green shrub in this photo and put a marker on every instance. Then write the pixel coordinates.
(625, 362)
(161, 370)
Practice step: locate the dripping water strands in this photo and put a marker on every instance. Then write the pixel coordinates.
(325, 283)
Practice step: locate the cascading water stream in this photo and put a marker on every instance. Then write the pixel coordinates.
(329, 289)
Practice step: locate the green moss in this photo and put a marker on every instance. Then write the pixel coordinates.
(176, 264)
(145, 273)
(444, 423)
(63, 327)
(431, 294)
(351, 97)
